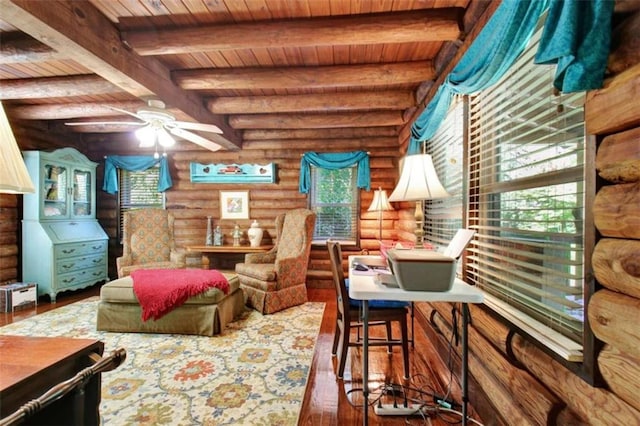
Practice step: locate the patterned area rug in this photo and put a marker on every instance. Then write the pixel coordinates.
(255, 373)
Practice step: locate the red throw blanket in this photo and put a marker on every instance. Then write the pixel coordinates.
(161, 290)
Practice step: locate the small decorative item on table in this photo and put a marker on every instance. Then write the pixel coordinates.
(255, 234)
(18, 296)
(236, 235)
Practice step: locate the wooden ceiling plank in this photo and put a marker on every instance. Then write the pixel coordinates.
(81, 31)
(378, 28)
(306, 77)
(386, 99)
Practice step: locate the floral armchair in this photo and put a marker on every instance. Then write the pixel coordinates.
(148, 242)
(276, 280)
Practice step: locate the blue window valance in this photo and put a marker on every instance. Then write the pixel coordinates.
(333, 161)
(576, 36)
(135, 163)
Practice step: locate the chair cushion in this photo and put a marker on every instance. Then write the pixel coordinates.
(259, 271)
(376, 304)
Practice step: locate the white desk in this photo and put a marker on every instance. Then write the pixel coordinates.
(362, 287)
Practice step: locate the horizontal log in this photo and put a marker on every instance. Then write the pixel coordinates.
(370, 144)
(399, 27)
(594, 406)
(328, 76)
(616, 368)
(93, 110)
(311, 121)
(56, 87)
(17, 48)
(615, 107)
(618, 157)
(625, 45)
(616, 265)
(614, 319)
(616, 210)
(345, 133)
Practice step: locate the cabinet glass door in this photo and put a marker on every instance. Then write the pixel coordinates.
(81, 193)
(55, 187)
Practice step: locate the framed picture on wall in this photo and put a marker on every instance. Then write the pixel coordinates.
(234, 204)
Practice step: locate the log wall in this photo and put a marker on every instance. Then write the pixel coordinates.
(513, 380)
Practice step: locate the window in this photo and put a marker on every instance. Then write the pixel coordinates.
(138, 190)
(333, 196)
(527, 194)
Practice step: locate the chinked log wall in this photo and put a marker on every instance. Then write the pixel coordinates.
(191, 202)
(514, 381)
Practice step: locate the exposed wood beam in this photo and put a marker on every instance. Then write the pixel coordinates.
(400, 27)
(310, 121)
(18, 48)
(339, 133)
(306, 77)
(387, 99)
(73, 110)
(55, 87)
(87, 36)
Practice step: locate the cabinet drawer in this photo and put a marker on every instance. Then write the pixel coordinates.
(74, 278)
(62, 251)
(70, 264)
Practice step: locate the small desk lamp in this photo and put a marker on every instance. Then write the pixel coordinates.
(379, 204)
(418, 182)
(14, 178)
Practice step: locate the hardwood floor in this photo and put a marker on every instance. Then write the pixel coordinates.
(329, 401)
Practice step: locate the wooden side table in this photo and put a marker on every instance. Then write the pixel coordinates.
(30, 366)
(225, 257)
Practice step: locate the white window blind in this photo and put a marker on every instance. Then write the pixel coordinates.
(526, 186)
(443, 217)
(138, 190)
(333, 196)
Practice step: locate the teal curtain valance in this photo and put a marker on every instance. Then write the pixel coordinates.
(333, 161)
(576, 36)
(134, 163)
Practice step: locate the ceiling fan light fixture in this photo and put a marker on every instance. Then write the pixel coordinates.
(147, 136)
(164, 138)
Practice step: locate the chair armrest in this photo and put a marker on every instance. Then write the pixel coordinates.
(268, 257)
(123, 261)
(178, 257)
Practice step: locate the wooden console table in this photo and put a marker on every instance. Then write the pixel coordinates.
(225, 257)
(30, 366)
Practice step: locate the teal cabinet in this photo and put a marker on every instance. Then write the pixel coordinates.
(63, 245)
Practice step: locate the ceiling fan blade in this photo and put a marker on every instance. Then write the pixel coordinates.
(124, 111)
(202, 127)
(197, 139)
(105, 123)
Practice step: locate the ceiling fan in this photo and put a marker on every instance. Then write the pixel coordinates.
(157, 125)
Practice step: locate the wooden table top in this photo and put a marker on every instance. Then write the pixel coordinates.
(229, 249)
(22, 357)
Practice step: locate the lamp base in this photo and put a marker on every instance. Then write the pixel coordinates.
(419, 216)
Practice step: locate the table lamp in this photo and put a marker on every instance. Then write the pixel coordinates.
(14, 178)
(418, 182)
(379, 204)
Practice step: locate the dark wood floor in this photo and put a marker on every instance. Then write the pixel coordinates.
(329, 401)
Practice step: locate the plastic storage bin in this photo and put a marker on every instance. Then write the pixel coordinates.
(422, 270)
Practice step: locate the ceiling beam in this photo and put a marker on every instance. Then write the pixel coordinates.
(88, 37)
(311, 121)
(326, 133)
(328, 76)
(55, 87)
(73, 110)
(17, 48)
(401, 27)
(347, 101)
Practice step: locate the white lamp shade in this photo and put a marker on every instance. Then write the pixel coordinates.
(380, 201)
(418, 180)
(147, 136)
(14, 178)
(165, 139)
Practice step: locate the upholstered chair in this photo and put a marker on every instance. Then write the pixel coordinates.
(148, 242)
(276, 280)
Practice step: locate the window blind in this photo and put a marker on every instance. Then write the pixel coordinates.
(526, 187)
(443, 217)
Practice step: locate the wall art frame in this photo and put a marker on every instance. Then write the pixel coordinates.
(234, 204)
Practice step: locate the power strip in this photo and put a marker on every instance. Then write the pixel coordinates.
(400, 410)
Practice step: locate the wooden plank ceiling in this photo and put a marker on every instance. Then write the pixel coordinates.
(257, 69)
